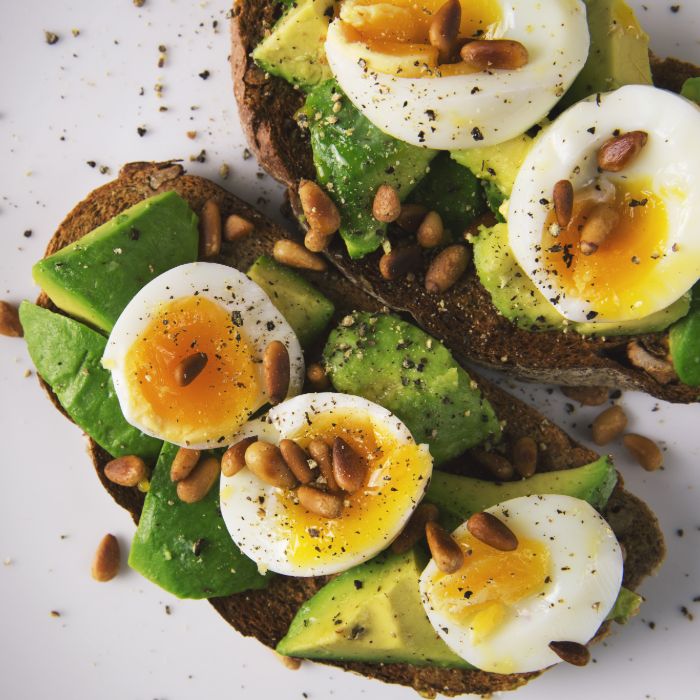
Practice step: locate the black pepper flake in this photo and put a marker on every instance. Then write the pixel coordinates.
(204, 74)
(92, 163)
(591, 130)
(134, 233)
(27, 233)
(430, 113)
(638, 202)
(358, 584)
(476, 134)
(270, 326)
(141, 131)
(675, 9)
(474, 90)
(198, 546)
(237, 319)
(51, 38)
(591, 315)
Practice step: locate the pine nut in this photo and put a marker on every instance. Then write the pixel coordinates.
(446, 268)
(498, 466)
(107, 559)
(411, 217)
(659, 368)
(609, 425)
(488, 54)
(386, 206)
(444, 549)
(190, 368)
(444, 29)
(431, 232)
(587, 395)
(525, 456)
(183, 464)
(645, 451)
(236, 227)
(289, 662)
(349, 469)
(293, 254)
(327, 505)
(487, 528)
(126, 471)
(399, 262)
(563, 196)
(9, 321)
(209, 230)
(297, 460)
(197, 485)
(320, 211)
(234, 458)
(266, 462)
(322, 455)
(571, 652)
(414, 529)
(317, 377)
(601, 220)
(276, 371)
(618, 152)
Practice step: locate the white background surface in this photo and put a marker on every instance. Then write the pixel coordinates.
(80, 100)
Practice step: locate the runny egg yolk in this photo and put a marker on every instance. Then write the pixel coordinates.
(614, 278)
(389, 493)
(490, 582)
(221, 397)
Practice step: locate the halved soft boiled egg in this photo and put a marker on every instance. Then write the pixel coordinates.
(380, 54)
(501, 610)
(277, 532)
(214, 320)
(652, 255)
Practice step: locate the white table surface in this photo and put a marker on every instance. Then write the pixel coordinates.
(81, 100)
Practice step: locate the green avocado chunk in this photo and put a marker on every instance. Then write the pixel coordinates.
(370, 613)
(691, 89)
(353, 158)
(294, 49)
(94, 278)
(400, 367)
(67, 355)
(305, 308)
(684, 339)
(185, 548)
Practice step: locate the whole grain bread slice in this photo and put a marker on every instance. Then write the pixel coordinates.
(266, 614)
(464, 317)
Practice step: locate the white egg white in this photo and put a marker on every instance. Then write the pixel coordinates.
(586, 574)
(567, 149)
(253, 510)
(479, 109)
(261, 323)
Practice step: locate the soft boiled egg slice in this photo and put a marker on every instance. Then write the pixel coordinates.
(652, 256)
(380, 54)
(272, 528)
(197, 308)
(501, 610)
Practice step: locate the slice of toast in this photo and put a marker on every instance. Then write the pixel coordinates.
(464, 317)
(266, 614)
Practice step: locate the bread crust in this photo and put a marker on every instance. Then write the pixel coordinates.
(266, 614)
(467, 322)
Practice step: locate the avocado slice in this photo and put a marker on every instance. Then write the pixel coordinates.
(94, 278)
(185, 548)
(307, 311)
(397, 365)
(684, 339)
(691, 89)
(67, 355)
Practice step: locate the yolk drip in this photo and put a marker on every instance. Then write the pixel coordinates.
(616, 276)
(489, 582)
(395, 475)
(220, 398)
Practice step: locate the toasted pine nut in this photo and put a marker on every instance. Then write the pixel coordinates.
(386, 206)
(446, 268)
(236, 227)
(399, 262)
(608, 425)
(9, 320)
(431, 232)
(297, 460)
(315, 241)
(322, 455)
(349, 468)
(293, 254)
(444, 549)
(327, 505)
(645, 451)
(491, 54)
(187, 370)
(444, 29)
(197, 485)
(185, 461)
(601, 220)
(618, 152)
(276, 371)
(659, 368)
(209, 230)
(321, 213)
(525, 456)
(587, 395)
(415, 528)
(317, 377)
(266, 462)
(487, 528)
(411, 217)
(107, 559)
(499, 467)
(234, 458)
(126, 471)
(571, 652)
(563, 196)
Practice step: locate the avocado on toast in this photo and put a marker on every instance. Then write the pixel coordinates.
(465, 316)
(267, 613)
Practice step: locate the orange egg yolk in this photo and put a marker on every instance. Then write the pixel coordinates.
(613, 278)
(490, 582)
(396, 476)
(220, 398)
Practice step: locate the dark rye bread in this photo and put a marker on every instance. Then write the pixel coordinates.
(267, 614)
(464, 317)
